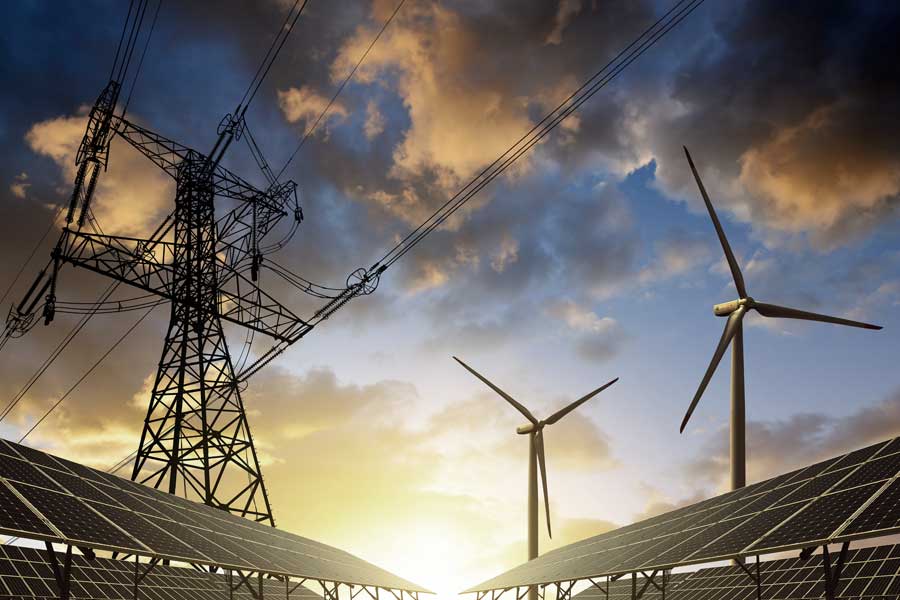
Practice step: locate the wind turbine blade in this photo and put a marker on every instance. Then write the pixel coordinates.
(539, 450)
(505, 396)
(783, 312)
(734, 321)
(729, 255)
(564, 411)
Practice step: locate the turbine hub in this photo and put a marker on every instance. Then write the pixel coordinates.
(726, 308)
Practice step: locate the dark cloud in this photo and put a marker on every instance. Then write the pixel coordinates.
(798, 140)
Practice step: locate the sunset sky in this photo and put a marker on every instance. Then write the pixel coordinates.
(592, 259)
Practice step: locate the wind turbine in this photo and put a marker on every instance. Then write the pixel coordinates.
(534, 429)
(733, 334)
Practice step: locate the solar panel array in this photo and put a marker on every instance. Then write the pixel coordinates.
(868, 574)
(25, 573)
(44, 497)
(852, 496)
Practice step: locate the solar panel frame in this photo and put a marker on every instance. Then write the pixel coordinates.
(78, 523)
(22, 471)
(719, 526)
(18, 519)
(153, 537)
(55, 511)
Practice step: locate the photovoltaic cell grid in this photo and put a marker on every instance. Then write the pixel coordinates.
(25, 573)
(868, 573)
(856, 495)
(44, 497)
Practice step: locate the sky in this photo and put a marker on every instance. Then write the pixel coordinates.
(593, 258)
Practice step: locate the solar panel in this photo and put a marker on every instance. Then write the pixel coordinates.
(25, 573)
(23, 471)
(76, 521)
(851, 496)
(49, 498)
(868, 573)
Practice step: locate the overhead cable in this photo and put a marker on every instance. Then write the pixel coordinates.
(340, 88)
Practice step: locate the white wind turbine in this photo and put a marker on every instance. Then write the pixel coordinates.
(534, 429)
(733, 334)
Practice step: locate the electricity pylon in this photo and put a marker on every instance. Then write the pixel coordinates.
(195, 436)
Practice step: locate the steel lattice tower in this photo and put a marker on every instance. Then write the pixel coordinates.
(196, 428)
(195, 436)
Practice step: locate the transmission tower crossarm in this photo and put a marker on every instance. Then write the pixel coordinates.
(127, 259)
(168, 155)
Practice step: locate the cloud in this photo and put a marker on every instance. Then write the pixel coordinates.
(375, 121)
(20, 185)
(800, 182)
(305, 105)
(564, 14)
(799, 145)
(130, 198)
(597, 338)
(675, 254)
(457, 126)
(456, 72)
(658, 503)
(775, 447)
(507, 254)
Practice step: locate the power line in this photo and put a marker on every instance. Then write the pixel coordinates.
(88, 372)
(141, 61)
(133, 35)
(55, 354)
(614, 67)
(33, 252)
(274, 49)
(119, 465)
(112, 69)
(259, 69)
(350, 75)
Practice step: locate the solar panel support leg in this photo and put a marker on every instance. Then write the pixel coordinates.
(597, 584)
(290, 590)
(753, 576)
(139, 575)
(564, 590)
(638, 594)
(61, 575)
(244, 579)
(833, 571)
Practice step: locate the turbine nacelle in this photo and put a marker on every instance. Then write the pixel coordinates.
(529, 428)
(726, 308)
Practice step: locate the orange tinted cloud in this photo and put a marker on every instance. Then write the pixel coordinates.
(131, 196)
(457, 125)
(821, 175)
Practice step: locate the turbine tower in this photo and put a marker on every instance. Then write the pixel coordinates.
(733, 334)
(534, 429)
